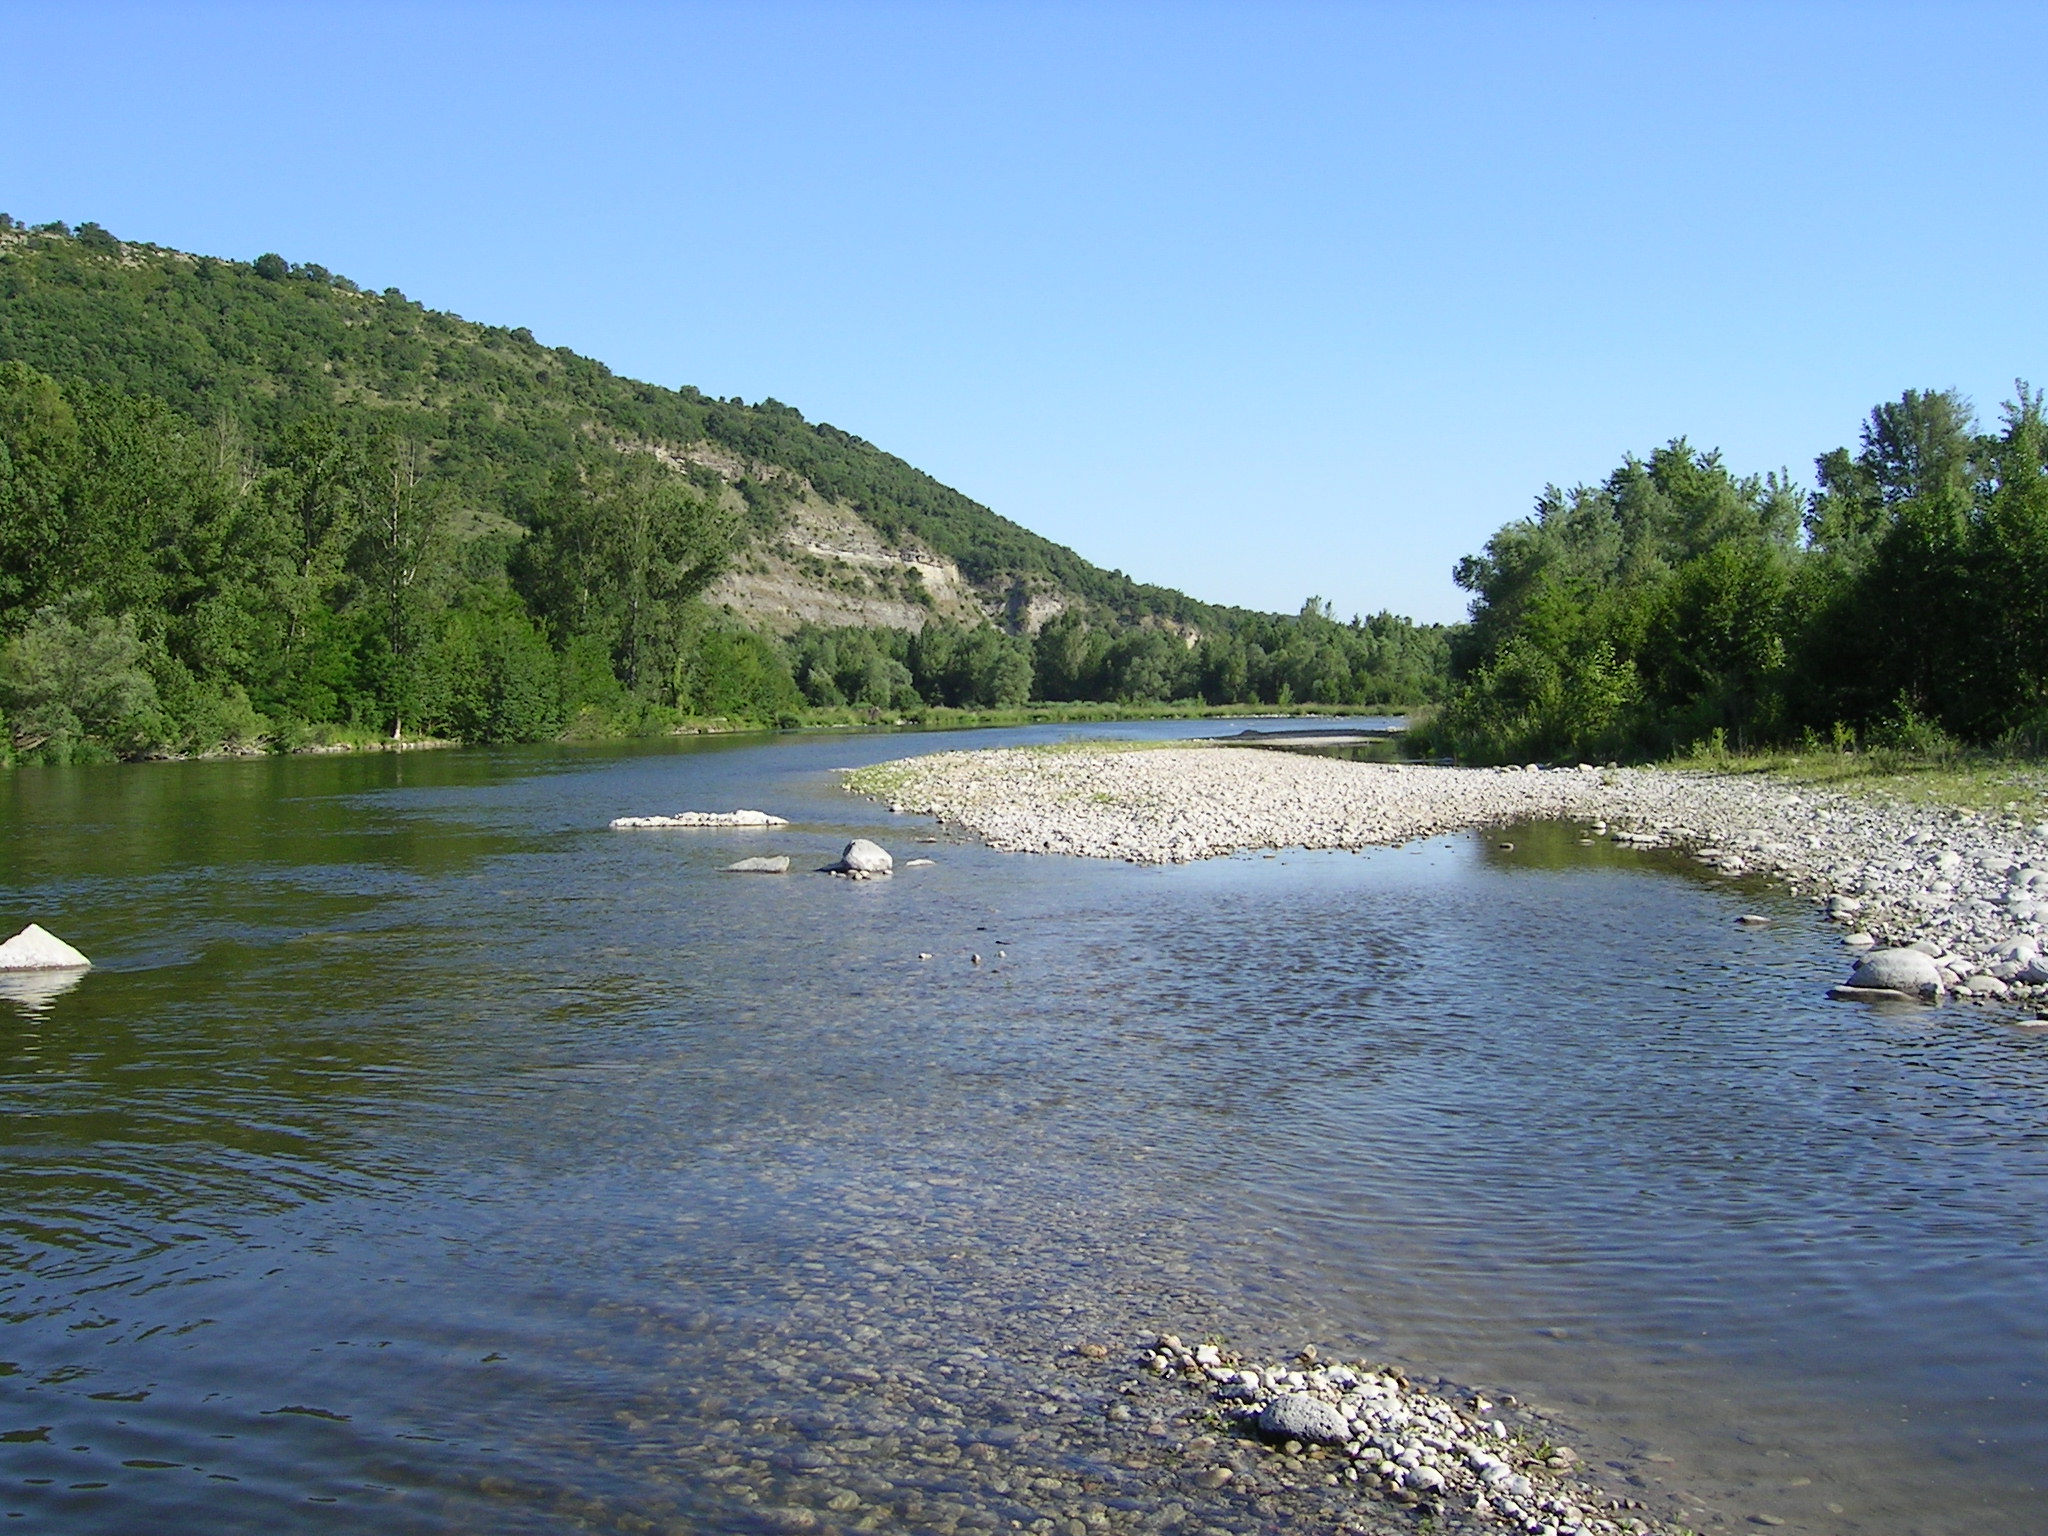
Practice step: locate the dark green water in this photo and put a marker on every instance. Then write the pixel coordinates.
(423, 1157)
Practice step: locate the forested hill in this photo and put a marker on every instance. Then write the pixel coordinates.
(246, 504)
(268, 343)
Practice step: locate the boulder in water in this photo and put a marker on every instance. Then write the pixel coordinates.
(778, 865)
(35, 948)
(1910, 971)
(864, 860)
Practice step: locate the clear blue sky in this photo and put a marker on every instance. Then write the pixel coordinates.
(1256, 300)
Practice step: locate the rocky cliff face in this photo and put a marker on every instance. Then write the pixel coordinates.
(823, 563)
(827, 565)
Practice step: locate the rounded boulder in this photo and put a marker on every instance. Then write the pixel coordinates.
(1297, 1416)
(1897, 970)
(865, 858)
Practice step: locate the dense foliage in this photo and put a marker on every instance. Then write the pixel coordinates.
(1258, 659)
(247, 504)
(1677, 603)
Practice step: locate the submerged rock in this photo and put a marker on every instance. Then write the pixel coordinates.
(35, 948)
(778, 865)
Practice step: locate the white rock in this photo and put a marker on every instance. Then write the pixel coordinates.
(35, 948)
(865, 858)
(778, 865)
(700, 819)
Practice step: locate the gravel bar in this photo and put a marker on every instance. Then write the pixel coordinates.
(1969, 891)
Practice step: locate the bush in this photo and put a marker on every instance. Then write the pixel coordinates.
(74, 691)
(1911, 734)
(501, 681)
(737, 675)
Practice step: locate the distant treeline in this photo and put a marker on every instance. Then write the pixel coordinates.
(1259, 659)
(345, 514)
(1677, 604)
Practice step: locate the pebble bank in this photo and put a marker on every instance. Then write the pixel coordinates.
(1967, 890)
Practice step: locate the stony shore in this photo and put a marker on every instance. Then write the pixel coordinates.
(1968, 890)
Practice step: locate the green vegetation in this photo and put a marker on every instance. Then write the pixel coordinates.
(1247, 659)
(246, 505)
(1987, 780)
(1678, 606)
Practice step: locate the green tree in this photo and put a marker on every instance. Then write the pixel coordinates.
(736, 674)
(498, 679)
(399, 557)
(68, 688)
(38, 450)
(618, 550)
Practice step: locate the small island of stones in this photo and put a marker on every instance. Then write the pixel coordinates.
(1936, 900)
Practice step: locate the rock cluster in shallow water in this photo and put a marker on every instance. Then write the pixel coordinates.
(1394, 1440)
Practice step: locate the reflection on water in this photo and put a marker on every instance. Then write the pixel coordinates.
(422, 1156)
(33, 991)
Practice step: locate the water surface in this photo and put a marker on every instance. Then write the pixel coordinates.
(423, 1156)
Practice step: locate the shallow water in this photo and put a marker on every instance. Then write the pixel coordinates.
(422, 1155)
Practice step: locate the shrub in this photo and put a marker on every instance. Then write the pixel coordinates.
(72, 690)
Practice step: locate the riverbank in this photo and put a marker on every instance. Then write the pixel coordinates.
(1968, 886)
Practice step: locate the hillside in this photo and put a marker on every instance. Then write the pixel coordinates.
(832, 529)
(247, 504)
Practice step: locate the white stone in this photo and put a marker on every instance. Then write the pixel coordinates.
(865, 858)
(35, 948)
(778, 865)
(700, 819)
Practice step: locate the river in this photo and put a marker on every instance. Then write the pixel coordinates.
(422, 1156)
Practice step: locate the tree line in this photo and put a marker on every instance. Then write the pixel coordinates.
(169, 587)
(1677, 603)
(1275, 659)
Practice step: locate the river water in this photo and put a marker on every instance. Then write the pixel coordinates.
(421, 1156)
